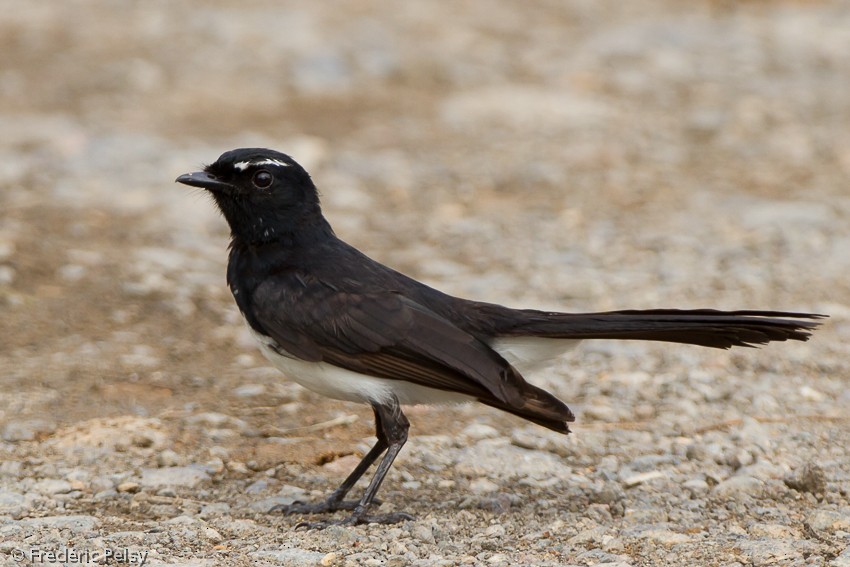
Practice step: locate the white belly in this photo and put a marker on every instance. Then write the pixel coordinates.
(341, 384)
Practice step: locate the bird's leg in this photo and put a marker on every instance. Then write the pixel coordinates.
(392, 426)
(335, 501)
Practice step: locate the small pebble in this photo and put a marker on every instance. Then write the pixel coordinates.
(807, 478)
(641, 478)
(423, 532)
(477, 431)
(696, 486)
(249, 390)
(173, 476)
(829, 521)
(211, 534)
(168, 458)
(483, 486)
(7, 275)
(738, 486)
(53, 486)
(129, 486)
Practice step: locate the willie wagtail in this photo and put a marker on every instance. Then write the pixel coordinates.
(345, 326)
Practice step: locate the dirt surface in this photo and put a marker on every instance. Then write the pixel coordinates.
(572, 155)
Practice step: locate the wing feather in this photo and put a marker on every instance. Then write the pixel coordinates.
(385, 335)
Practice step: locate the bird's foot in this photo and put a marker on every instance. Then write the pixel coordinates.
(330, 504)
(357, 520)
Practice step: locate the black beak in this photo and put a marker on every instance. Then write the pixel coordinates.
(204, 180)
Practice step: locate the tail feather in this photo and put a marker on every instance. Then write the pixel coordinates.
(540, 407)
(704, 327)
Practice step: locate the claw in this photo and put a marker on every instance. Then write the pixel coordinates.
(285, 508)
(321, 507)
(324, 506)
(357, 520)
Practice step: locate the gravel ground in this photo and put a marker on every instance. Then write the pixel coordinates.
(576, 155)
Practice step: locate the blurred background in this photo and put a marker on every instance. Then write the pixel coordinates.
(581, 155)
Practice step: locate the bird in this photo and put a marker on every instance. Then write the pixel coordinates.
(350, 328)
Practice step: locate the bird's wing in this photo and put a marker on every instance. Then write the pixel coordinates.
(382, 334)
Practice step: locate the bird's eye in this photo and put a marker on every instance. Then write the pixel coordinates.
(262, 179)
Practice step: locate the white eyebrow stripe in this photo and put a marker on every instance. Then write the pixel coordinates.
(271, 162)
(243, 165)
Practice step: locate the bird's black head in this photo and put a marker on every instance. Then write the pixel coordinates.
(264, 195)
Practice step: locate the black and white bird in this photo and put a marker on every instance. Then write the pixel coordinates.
(345, 326)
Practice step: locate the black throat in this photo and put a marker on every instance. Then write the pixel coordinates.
(270, 248)
(254, 225)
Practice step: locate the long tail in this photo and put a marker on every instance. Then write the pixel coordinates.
(705, 327)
